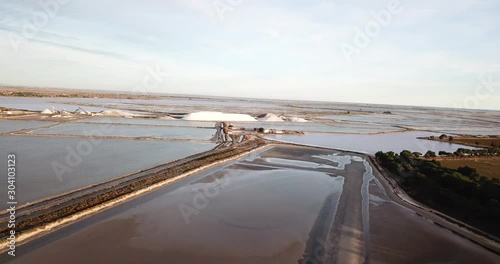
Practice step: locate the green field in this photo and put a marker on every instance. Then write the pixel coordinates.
(489, 167)
(485, 142)
(480, 142)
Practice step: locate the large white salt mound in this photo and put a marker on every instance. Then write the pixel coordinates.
(297, 119)
(117, 113)
(271, 118)
(47, 112)
(218, 116)
(80, 111)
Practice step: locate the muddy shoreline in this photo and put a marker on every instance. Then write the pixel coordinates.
(474, 235)
(467, 232)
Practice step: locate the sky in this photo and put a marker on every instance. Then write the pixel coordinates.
(428, 53)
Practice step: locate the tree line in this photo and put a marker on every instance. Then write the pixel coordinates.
(463, 153)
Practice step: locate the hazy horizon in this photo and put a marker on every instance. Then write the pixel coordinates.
(371, 52)
(251, 98)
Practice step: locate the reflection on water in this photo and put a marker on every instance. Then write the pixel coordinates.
(321, 127)
(15, 125)
(262, 215)
(131, 131)
(256, 217)
(396, 142)
(149, 121)
(341, 160)
(466, 121)
(108, 159)
(40, 104)
(298, 163)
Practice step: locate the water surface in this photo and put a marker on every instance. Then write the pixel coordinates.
(370, 144)
(150, 121)
(232, 216)
(130, 131)
(15, 125)
(105, 159)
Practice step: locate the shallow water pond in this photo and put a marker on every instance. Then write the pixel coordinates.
(396, 142)
(15, 125)
(130, 131)
(150, 121)
(39, 159)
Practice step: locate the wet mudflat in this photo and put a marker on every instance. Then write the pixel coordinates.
(284, 205)
(399, 235)
(48, 166)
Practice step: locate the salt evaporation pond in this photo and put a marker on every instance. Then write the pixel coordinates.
(109, 158)
(40, 104)
(257, 216)
(150, 121)
(309, 126)
(15, 125)
(380, 118)
(173, 104)
(130, 131)
(370, 144)
(319, 127)
(471, 131)
(422, 121)
(253, 211)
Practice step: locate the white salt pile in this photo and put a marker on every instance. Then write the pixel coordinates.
(47, 112)
(218, 116)
(269, 117)
(116, 113)
(166, 118)
(297, 119)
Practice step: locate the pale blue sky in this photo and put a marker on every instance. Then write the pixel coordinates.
(433, 53)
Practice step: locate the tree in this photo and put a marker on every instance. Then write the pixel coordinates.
(469, 172)
(406, 154)
(443, 153)
(443, 136)
(430, 154)
(450, 138)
